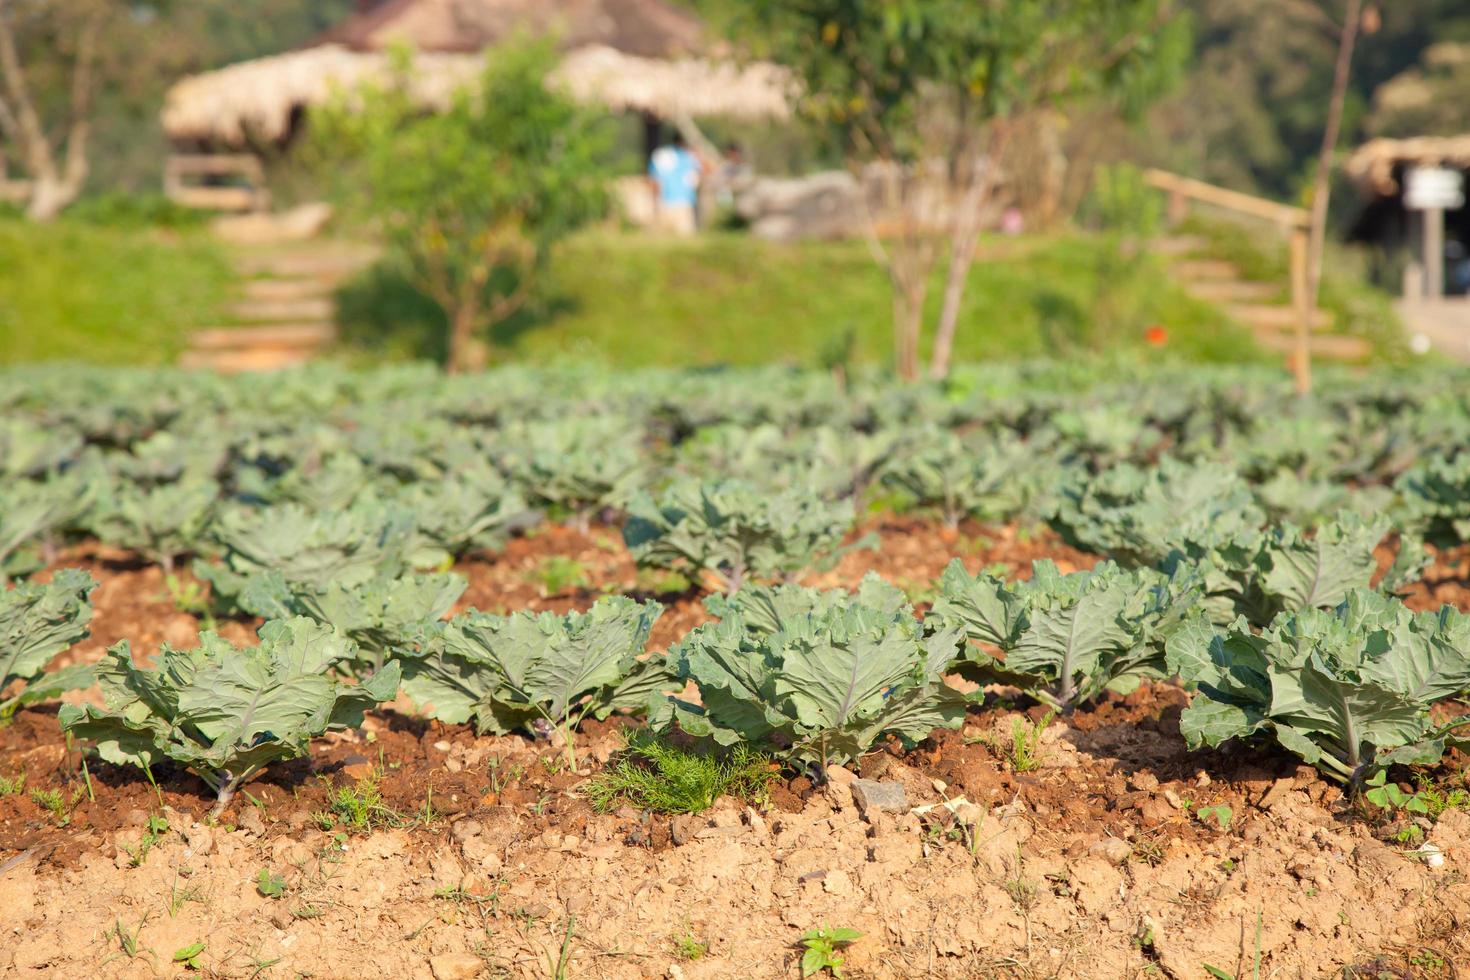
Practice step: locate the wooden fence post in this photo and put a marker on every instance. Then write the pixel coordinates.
(1301, 302)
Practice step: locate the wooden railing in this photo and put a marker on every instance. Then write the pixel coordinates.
(187, 176)
(1294, 222)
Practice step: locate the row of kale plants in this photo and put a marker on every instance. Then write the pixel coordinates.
(1282, 635)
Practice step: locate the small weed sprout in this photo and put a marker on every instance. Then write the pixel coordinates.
(1221, 814)
(270, 884)
(654, 774)
(821, 947)
(153, 831)
(188, 956)
(12, 785)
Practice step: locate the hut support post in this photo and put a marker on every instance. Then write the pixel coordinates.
(1433, 223)
(1302, 302)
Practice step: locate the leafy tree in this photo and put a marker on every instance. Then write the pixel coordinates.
(924, 95)
(471, 198)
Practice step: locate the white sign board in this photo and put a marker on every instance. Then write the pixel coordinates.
(1434, 189)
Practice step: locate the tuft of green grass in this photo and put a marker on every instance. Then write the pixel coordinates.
(359, 807)
(689, 946)
(1026, 741)
(12, 785)
(559, 574)
(652, 773)
(54, 803)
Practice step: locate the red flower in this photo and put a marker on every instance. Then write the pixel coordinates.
(1156, 336)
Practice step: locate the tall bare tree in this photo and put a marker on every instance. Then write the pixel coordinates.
(1322, 189)
(923, 94)
(56, 167)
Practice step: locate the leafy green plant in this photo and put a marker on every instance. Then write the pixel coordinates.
(575, 466)
(1347, 690)
(820, 949)
(539, 672)
(823, 687)
(763, 608)
(36, 623)
(1066, 638)
(277, 547)
(159, 522)
(226, 712)
(653, 773)
(735, 531)
(991, 481)
(384, 615)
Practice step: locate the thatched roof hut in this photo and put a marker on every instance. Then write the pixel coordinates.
(1376, 165)
(646, 28)
(630, 55)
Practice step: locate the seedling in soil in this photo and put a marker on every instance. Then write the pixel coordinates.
(563, 962)
(270, 884)
(153, 830)
(128, 941)
(179, 897)
(821, 949)
(654, 774)
(12, 785)
(1389, 796)
(1220, 974)
(1222, 814)
(188, 957)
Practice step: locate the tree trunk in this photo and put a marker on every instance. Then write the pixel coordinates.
(50, 195)
(983, 174)
(462, 320)
(1322, 184)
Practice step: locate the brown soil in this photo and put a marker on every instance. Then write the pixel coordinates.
(486, 855)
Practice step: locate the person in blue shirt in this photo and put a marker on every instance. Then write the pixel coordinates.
(676, 173)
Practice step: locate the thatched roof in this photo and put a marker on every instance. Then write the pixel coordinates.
(647, 28)
(1374, 165)
(692, 87)
(257, 101)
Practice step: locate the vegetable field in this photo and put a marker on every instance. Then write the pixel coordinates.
(1050, 671)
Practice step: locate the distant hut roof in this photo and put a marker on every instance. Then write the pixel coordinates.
(647, 28)
(256, 101)
(1374, 165)
(639, 55)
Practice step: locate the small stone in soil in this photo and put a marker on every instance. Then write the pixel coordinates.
(456, 966)
(883, 797)
(1111, 850)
